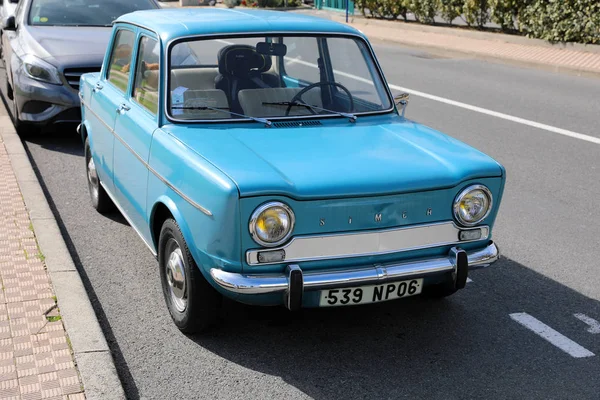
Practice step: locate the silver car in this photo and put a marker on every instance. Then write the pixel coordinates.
(47, 45)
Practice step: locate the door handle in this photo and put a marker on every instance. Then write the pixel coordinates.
(123, 107)
(98, 87)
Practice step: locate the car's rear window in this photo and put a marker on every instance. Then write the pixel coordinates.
(83, 12)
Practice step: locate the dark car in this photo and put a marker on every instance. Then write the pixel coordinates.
(47, 45)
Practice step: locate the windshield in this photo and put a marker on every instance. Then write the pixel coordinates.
(83, 12)
(275, 76)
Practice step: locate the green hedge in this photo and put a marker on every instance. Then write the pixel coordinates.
(554, 20)
(563, 20)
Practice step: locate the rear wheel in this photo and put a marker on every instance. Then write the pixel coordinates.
(100, 200)
(192, 302)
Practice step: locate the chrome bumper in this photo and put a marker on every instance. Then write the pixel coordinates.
(315, 280)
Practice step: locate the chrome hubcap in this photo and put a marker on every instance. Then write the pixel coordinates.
(92, 174)
(175, 271)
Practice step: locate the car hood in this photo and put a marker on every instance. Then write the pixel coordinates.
(338, 161)
(60, 45)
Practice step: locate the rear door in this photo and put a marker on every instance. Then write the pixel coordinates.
(109, 93)
(136, 122)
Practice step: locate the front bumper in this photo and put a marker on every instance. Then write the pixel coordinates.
(44, 103)
(294, 282)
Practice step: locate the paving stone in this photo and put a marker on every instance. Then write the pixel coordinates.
(35, 359)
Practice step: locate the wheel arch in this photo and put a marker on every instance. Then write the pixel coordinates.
(163, 209)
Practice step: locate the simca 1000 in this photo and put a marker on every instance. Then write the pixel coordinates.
(261, 156)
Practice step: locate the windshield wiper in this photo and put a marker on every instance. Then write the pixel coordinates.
(350, 116)
(223, 109)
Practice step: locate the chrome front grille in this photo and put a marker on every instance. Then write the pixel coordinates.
(72, 75)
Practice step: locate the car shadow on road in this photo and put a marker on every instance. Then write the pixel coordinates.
(65, 141)
(465, 346)
(61, 138)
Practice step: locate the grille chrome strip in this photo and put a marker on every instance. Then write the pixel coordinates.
(72, 75)
(360, 244)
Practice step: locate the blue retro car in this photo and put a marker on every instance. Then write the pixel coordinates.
(261, 156)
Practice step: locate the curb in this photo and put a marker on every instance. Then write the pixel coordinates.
(92, 354)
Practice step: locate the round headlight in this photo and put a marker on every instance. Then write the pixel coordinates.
(271, 224)
(472, 205)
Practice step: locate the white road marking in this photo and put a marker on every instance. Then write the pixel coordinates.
(552, 336)
(469, 280)
(459, 104)
(507, 117)
(594, 325)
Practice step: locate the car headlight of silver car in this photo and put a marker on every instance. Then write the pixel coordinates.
(271, 224)
(40, 70)
(472, 205)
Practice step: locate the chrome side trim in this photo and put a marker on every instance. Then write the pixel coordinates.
(124, 214)
(358, 244)
(316, 280)
(162, 179)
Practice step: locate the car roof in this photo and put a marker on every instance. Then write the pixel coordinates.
(175, 23)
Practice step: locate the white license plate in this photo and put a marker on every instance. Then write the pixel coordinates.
(370, 294)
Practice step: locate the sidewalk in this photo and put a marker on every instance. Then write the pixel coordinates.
(574, 58)
(35, 356)
(51, 344)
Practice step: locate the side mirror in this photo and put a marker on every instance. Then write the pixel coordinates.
(401, 101)
(8, 23)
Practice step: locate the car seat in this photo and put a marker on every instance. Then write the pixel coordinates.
(241, 67)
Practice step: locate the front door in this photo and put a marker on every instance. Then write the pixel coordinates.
(136, 122)
(109, 92)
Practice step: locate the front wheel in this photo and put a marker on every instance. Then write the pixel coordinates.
(192, 302)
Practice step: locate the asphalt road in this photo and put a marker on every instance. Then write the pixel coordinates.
(466, 346)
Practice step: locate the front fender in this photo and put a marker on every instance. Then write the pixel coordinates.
(200, 199)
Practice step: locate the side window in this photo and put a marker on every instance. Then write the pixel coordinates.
(147, 74)
(301, 60)
(120, 59)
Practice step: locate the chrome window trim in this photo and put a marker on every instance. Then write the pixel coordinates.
(161, 178)
(368, 243)
(259, 210)
(172, 42)
(459, 197)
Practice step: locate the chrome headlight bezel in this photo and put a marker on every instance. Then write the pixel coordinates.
(256, 214)
(458, 199)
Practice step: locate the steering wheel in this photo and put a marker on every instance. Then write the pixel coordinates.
(298, 96)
